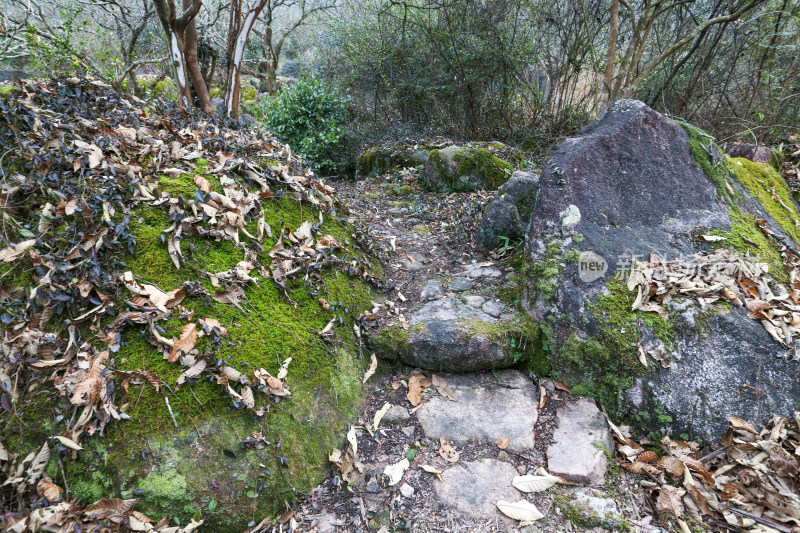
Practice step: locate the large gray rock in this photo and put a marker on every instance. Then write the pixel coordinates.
(509, 213)
(759, 154)
(490, 407)
(447, 335)
(581, 444)
(474, 488)
(630, 185)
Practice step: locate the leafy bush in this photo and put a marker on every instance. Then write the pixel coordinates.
(58, 55)
(308, 115)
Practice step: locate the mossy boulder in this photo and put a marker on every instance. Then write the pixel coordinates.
(377, 160)
(464, 169)
(449, 336)
(634, 184)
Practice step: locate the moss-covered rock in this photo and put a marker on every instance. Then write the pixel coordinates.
(377, 160)
(464, 169)
(637, 184)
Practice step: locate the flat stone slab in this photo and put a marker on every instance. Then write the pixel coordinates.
(474, 488)
(488, 409)
(432, 290)
(580, 442)
(460, 284)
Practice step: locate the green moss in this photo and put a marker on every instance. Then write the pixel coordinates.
(180, 469)
(698, 144)
(492, 170)
(746, 238)
(604, 366)
(6, 89)
(761, 181)
(421, 229)
(164, 491)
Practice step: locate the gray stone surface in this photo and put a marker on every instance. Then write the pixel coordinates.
(578, 450)
(590, 509)
(417, 264)
(396, 414)
(488, 409)
(483, 271)
(460, 284)
(432, 290)
(406, 490)
(473, 300)
(447, 335)
(473, 488)
(510, 211)
(760, 154)
(629, 186)
(493, 308)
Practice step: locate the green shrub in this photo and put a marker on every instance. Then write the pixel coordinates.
(57, 55)
(308, 115)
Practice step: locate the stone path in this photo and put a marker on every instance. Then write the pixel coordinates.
(489, 416)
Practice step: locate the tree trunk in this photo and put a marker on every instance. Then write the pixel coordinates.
(239, 32)
(176, 53)
(612, 53)
(192, 66)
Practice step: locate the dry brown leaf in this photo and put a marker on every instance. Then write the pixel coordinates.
(670, 499)
(648, 456)
(639, 467)
(13, 253)
(49, 490)
(211, 323)
(522, 510)
(233, 296)
(110, 508)
(673, 465)
(373, 365)
(202, 184)
(562, 387)
(738, 423)
(415, 389)
(185, 343)
(191, 373)
(447, 452)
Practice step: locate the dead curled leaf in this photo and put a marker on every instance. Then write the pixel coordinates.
(522, 510)
(447, 452)
(373, 365)
(185, 343)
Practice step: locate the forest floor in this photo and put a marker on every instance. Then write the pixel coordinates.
(423, 236)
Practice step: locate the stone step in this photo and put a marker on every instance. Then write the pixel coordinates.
(447, 335)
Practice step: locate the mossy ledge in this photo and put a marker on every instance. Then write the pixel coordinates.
(249, 465)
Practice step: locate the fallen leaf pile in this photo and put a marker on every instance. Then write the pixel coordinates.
(722, 276)
(751, 482)
(78, 159)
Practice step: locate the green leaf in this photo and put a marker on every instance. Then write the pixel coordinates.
(212, 505)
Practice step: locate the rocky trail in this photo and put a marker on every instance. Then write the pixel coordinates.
(462, 438)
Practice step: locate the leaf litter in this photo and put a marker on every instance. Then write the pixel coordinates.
(100, 168)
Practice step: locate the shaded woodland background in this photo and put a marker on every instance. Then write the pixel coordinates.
(525, 72)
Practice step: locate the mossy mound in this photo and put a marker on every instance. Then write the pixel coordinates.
(199, 447)
(459, 169)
